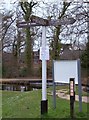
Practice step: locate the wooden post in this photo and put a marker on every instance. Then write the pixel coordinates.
(72, 97)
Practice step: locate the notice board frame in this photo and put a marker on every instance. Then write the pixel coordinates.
(79, 83)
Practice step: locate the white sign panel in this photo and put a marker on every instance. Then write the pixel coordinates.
(44, 53)
(64, 70)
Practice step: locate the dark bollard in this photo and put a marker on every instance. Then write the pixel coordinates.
(72, 97)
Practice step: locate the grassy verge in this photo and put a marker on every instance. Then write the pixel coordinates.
(27, 105)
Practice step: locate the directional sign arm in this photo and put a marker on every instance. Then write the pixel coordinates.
(25, 25)
(62, 22)
(37, 21)
(45, 22)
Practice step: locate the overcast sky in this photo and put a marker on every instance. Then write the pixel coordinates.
(7, 3)
(8, 6)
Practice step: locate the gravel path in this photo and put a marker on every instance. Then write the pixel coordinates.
(62, 94)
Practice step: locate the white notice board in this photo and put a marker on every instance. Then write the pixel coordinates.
(44, 53)
(64, 70)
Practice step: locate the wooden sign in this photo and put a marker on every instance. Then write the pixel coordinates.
(45, 22)
(39, 20)
(26, 24)
(62, 21)
(72, 97)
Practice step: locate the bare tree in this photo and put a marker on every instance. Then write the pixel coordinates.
(75, 34)
(8, 29)
(27, 10)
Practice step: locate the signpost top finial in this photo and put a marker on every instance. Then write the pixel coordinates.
(23, 0)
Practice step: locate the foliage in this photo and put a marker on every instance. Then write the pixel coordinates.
(39, 71)
(23, 72)
(3, 71)
(49, 69)
(85, 57)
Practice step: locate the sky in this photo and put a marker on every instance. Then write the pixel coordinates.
(8, 1)
(8, 6)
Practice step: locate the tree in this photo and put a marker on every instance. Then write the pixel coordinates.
(10, 43)
(8, 30)
(56, 42)
(27, 9)
(85, 57)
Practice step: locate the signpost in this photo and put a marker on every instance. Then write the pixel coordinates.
(37, 21)
(44, 102)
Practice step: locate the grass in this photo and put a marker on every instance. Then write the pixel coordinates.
(27, 105)
(0, 104)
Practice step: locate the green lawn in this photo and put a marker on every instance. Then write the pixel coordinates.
(0, 104)
(27, 105)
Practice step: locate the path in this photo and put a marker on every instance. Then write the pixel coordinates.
(63, 94)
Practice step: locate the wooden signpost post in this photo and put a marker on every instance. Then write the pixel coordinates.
(38, 21)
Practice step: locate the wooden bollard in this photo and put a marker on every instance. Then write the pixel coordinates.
(72, 97)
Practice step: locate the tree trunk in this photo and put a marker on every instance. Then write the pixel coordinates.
(56, 49)
(28, 52)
